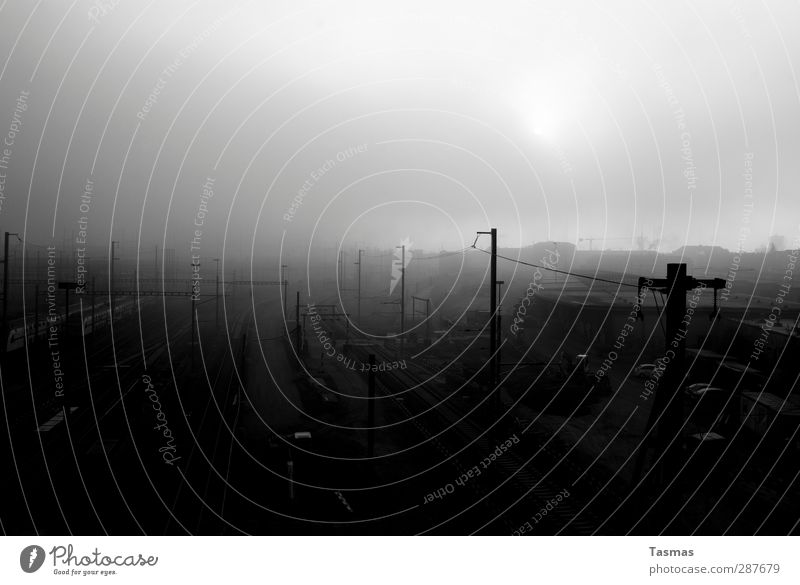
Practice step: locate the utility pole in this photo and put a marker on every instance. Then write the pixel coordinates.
(414, 299)
(493, 315)
(5, 294)
(194, 304)
(285, 300)
(5, 291)
(498, 359)
(193, 332)
(667, 411)
(36, 313)
(233, 292)
(297, 339)
(427, 321)
(216, 317)
(111, 280)
(669, 402)
(94, 323)
(359, 285)
(402, 299)
(371, 407)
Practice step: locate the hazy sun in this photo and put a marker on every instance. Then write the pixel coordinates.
(540, 109)
(544, 123)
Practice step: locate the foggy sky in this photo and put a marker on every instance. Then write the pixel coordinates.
(383, 121)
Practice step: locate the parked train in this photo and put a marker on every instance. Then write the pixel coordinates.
(32, 331)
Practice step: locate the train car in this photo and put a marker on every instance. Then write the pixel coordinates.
(32, 331)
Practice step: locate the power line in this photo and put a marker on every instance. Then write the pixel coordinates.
(418, 259)
(443, 255)
(575, 274)
(658, 311)
(29, 243)
(377, 255)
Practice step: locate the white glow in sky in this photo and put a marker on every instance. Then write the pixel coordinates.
(549, 121)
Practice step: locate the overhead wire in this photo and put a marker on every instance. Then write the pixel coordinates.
(418, 259)
(567, 272)
(658, 311)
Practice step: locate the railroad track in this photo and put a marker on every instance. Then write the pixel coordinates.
(537, 484)
(524, 476)
(208, 462)
(75, 448)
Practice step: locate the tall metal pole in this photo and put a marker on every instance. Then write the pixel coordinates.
(5, 293)
(371, 407)
(285, 291)
(359, 285)
(498, 328)
(428, 321)
(216, 317)
(667, 400)
(297, 339)
(493, 313)
(111, 281)
(192, 296)
(193, 330)
(403, 301)
(666, 416)
(233, 292)
(94, 323)
(36, 313)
